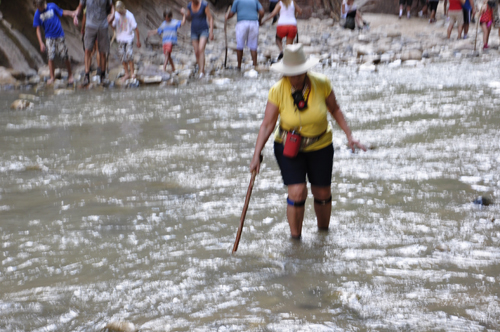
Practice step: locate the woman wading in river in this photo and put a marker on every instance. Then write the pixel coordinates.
(303, 140)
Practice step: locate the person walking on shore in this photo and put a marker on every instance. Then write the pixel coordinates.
(99, 14)
(272, 5)
(496, 15)
(433, 5)
(469, 11)
(249, 14)
(302, 99)
(456, 16)
(47, 16)
(202, 29)
(486, 21)
(168, 32)
(402, 4)
(287, 22)
(352, 16)
(125, 26)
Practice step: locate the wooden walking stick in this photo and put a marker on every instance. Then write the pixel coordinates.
(245, 207)
(225, 35)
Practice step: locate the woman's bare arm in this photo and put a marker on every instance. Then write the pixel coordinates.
(266, 129)
(337, 114)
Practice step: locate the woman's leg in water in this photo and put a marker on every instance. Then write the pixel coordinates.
(295, 214)
(322, 208)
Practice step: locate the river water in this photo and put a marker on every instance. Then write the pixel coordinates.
(123, 205)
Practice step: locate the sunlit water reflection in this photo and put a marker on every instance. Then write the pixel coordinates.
(124, 205)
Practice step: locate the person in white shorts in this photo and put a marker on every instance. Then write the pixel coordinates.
(250, 13)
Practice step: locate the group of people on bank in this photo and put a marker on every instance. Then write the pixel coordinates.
(100, 14)
(460, 12)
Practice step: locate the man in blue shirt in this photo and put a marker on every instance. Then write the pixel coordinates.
(47, 16)
(250, 13)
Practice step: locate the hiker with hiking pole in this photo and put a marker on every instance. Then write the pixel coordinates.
(301, 99)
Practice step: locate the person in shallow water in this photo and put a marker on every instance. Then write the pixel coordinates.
(303, 140)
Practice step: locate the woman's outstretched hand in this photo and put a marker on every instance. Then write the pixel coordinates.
(353, 144)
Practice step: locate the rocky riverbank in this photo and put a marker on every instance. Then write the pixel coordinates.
(388, 41)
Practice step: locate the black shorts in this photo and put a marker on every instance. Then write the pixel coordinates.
(317, 165)
(433, 6)
(407, 2)
(272, 5)
(467, 15)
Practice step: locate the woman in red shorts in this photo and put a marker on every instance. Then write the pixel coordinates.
(287, 23)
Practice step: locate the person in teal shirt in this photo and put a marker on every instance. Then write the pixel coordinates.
(250, 13)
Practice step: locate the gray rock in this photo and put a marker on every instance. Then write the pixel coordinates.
(395, 64)
(383, 48)
(60, 84)
(411, 55)
(386, 57)
(151, 79)
(20, 105)
(120, 327)
(5, 77)
(361, 49)
(29, 97)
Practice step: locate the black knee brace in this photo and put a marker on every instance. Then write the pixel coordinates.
(326, 201)
(296, 204)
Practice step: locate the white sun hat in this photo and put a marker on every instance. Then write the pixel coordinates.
(294, 61)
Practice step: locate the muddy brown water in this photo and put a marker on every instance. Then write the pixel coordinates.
(124, 205)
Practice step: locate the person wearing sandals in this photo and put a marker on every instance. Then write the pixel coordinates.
(301, 99)
(125, 25)
(287, 23)
(201, 30)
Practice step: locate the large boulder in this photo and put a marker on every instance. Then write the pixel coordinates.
(411, 55)
(6, 77)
